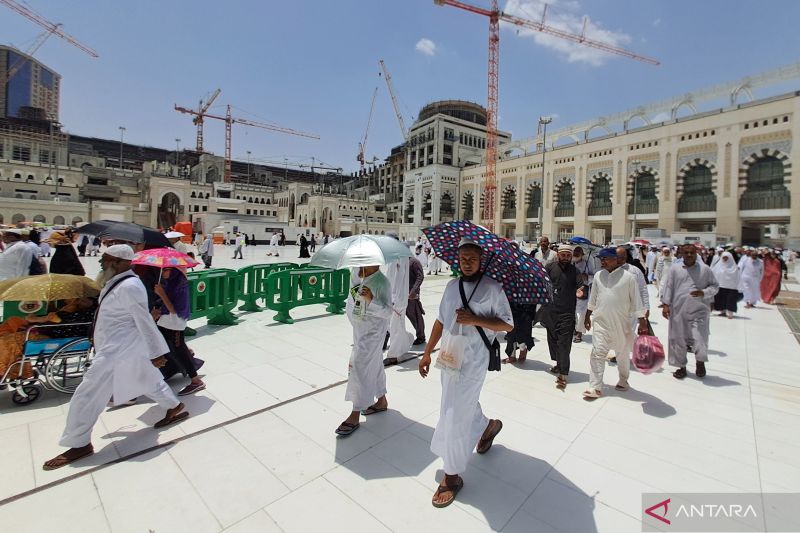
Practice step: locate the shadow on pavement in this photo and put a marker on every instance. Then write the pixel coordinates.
(491, 482)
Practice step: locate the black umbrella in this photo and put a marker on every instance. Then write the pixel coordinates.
(126, 231)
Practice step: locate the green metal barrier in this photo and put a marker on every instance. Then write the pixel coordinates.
(214, 294)
(288, 289)
(252, 283)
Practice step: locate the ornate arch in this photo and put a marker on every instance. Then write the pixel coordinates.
(755, 157)
(564, 180)
(639, 171)
(509, 193)
(697, 162)
(597, 177)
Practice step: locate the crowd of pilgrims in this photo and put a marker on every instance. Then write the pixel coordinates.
(604, 292)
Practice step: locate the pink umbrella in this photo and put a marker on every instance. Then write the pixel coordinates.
(164, 258)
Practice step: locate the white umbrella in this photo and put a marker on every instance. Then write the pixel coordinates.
(360, 250)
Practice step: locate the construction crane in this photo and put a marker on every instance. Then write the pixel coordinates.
(21, 60)
(495, 16)
(230, 120)
(362, 148)
(198, 118)
(400, 120)
(52, 28)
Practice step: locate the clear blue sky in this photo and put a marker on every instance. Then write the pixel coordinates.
(312, 64)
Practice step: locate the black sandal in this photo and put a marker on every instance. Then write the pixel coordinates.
(349, 428)
(485, 444)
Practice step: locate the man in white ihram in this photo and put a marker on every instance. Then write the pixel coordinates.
(129, 350)
(273, 244)
(462, 423)
(400, 340)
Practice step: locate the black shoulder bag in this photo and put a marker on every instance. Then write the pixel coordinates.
(494, 348)
(99, 303)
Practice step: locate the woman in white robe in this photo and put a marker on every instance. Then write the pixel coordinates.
(400, 340)
(462, 423)
(727, 273)
(369, 307)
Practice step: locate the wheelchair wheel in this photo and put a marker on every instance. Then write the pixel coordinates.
(32, 393)
(66, 367)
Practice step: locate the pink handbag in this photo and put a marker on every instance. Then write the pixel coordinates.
(648, 354)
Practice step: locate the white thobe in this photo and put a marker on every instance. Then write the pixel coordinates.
(461, 420)
(614, 300)
(367, 379)
(273, 244)
(400, 340)
(586, 274)
(750, 281)
(688, 322)
(545, 258)
(125, 341)
(15, 261)
(650, 263)
(662, 268)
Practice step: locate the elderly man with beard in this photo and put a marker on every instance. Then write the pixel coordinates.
(476, 306)
(559, 315)
(129, 350)
(688, 292)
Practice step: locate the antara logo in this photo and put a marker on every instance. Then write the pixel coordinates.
(715, 510)
(665, 505)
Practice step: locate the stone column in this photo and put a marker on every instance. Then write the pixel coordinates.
(727, 186)
(619, 211)
(581, 204)
(793, 184)
(667, 197)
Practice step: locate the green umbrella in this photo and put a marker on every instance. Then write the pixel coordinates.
(360, 250)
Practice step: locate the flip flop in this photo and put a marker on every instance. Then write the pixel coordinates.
(453, 489)
(371, 410)
(485, 444)
(591, 394)
(349, 428)
(172, 418)
(63, 461)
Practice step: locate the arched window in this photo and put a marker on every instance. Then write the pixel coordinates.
(17, 218)
(565, 206)
(17, 176)
(645, 199)
(468, 205)
(698, 191)
(76, 220)
(58, 219)
(193, 195)
(446, 210)
(38, 218)
(30, 177)
(509, 202)
(534, 201)
(427, 207)
(409, 215)
(600, 203)
(766, 188)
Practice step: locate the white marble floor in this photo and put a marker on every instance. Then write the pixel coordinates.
(560, 463)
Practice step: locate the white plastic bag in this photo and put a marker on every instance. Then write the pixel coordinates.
(451, 354)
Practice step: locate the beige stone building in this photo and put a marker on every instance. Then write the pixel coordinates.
(727, 171)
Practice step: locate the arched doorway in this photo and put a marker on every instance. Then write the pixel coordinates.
(168, 210)
(468, 205)
(643, 196)
(76, 220)
(509, 202)
(600, 199)
(534, 201)
(765, 186)
(17, 218)
(565, 200)
(58, 219)
(38, 218)
(698, 191)
(446, 210)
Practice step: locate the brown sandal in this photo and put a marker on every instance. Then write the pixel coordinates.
(452, 489)
(561, 382)
(62, 460)
(176, 414)
(485, 444)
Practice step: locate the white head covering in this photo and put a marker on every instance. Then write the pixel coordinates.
(174, 235)
(726, 272)
(565, 248)
(120, 251)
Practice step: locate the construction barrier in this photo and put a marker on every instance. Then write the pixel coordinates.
(214, 294)
(252, 283)
(288, 289)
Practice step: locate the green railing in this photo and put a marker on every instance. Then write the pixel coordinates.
(288, 289)
(252, 284)
(214, 294)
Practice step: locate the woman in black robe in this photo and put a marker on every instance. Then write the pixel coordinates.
(304, 247)
(65, 259)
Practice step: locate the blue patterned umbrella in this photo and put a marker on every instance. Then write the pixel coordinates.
(524, 279)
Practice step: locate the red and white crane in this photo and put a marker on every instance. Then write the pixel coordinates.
(51, 27)
(230, 120)
(202, 108)
(495, 16)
